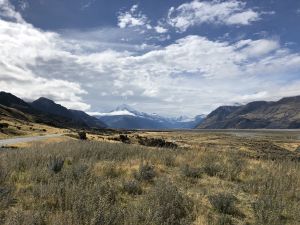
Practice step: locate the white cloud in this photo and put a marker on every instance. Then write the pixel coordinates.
(114, 113)
(7, 11)
(133, 18)
(192, 75)
(258, 47)
(212, 12)
(195, 70)
(136, 19)
(22, 47)
(243, 18)
(160, 29)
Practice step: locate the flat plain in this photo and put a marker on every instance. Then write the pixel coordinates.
(154, 177)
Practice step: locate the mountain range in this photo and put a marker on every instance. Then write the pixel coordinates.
(46, 111)
(282, 114)
(125, 117)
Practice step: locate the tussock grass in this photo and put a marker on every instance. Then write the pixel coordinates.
(91, 183)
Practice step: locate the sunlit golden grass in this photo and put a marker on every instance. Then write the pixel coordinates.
(23, 128)
(211, 178)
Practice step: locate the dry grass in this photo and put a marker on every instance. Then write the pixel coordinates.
(211, 179)
(23, 128)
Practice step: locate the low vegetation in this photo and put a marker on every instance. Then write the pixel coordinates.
(156, 142)
(82, 135)
(213, 181)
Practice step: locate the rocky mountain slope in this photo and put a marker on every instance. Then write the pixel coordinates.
(78, 117)
(283, 114)
(45, 111)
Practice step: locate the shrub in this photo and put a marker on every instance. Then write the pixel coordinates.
(146, 172)
(55, 164)
(6, 198)
(270, 205)
(191, 172)
(169, 160)
(19, 217)
(211, 164)
(78, 170)
(132, 187)
(224, 203)
(4, 125)
(276, 187)
(3, 173)
(233, 167)
(167, 205)
(82, 135)
(124, 138)
(156, 142)
(224, 219)
(268, 210)
(212, 169)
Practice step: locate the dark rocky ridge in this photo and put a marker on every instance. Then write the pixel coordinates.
(283, 114)
(46, 111)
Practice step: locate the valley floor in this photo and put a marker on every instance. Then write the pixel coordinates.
(201, 177)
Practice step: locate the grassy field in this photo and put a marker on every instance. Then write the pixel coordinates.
(202, 178)
(11, 127)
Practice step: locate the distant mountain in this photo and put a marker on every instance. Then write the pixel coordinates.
(9, 100)
(283, 114)
(76, 116)
(19, 109)
(45, 111)
(49, 106)
(125, 117)
(90, 121)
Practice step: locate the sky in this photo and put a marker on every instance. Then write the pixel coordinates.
(169, 57)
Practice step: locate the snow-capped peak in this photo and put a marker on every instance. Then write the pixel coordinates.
(124, 107)
(114, 113)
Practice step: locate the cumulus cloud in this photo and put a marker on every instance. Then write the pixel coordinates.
(22, 48)
(8, 12)
(160, 29)
(215, 72)
(133, 18)
(192, 75)
(211, 12)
